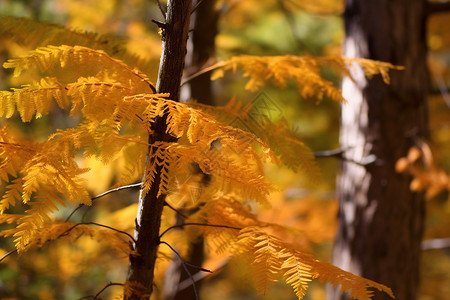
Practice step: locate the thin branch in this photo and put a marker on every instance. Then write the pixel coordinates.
(436, 244)
(197, 224)
(175, 210)
(73, 212)
(199, 268)
(117, 189)
(437, 7)
(199, 276)
(111, 228)
(202, 71)
(330, 153)
(339, 153)
(183, 263)
(161, 9)
(8, 254)
(104, 288)
(104, 194)
(100, 225)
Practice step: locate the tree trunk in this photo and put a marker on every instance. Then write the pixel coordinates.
(148, 220)
(201, 48)
(380, 220)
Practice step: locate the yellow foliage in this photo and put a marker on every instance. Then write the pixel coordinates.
(283, 141)
(426, 176)
(304, 71)
(273, 258)
(33, 34)
(118, 106)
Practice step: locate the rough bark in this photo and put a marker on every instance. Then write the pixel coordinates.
(148, 220)
(201, 48)
(380, 220)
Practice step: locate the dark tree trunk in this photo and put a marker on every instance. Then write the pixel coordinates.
(380, 220)
(148, 220)
(201, 48)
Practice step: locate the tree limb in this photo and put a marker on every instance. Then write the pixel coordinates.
(104, 194)
(8, 254)
(148, 220)
(197, 224)
(185, 268)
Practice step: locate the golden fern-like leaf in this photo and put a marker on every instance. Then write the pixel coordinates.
(283, 141)
(32, 99)
(265, 262)
(9, 218)
(35, 34)
(70, 63)
(94, 98)
(297, 267)
(225, 215)
(305, 71)
(358, 287)
(297, 274)
(12, 195)
(286, 144)
(13, 154)
(161, 157)
(30, 223)
(197, 132)
(51, 232)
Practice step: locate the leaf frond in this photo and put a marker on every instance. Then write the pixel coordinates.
(35, 34)
(81, 61)
(304, 71)
(273, 258)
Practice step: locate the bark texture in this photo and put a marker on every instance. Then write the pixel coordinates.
(200, 49)
(148, 220)
(380, 220)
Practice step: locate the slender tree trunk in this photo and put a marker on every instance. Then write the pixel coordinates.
(205, 21)
(380, 220)
(201, 48)
(148, 220)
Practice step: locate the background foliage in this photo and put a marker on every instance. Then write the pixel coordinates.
(70, 271)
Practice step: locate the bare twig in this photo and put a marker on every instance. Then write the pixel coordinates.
(104, 288)
(183, 263)
(104, 194)
(199, 276)
(197, 224)
(329, 153)
(117, 189)
(202, 71)
(8, 254)
(176, 210)
(161, 9)
(100, 225)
